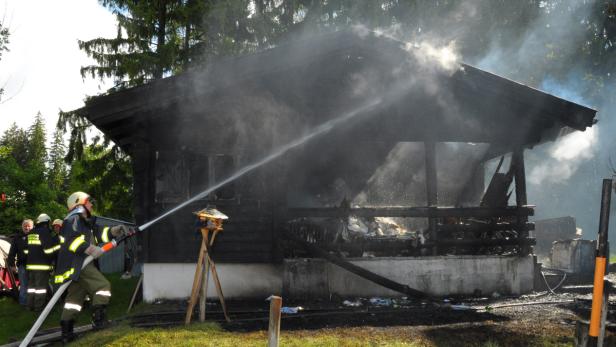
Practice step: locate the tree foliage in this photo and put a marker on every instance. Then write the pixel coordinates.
(23, 177)
(105, 172)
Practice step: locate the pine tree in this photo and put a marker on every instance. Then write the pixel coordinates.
(57, 173)
(37, 152)
(153, 40)
(15, 140)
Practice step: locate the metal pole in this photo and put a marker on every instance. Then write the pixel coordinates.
(600, 264)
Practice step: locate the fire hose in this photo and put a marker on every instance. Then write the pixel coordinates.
(39, 321)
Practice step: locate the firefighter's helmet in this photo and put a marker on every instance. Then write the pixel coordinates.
(42, 218)
(76, 199)
(57, 222)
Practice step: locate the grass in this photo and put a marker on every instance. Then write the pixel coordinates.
(209, 334)
(15, 321)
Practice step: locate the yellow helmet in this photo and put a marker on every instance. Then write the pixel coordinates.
(77, 198)
(42, 218)
(57, 222)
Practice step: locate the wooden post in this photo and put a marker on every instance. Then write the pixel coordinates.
(134, 297)
(431, 187)
(581, 334)
(204, 275)
(517, 160)
(196, 284)
(218, 287)
(274, 321)
(520, 177)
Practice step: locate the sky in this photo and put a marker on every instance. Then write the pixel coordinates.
(40, 73)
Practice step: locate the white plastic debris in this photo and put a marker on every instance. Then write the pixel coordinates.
(461, 307)
(380, 302)
(291, 310)
(356, 303)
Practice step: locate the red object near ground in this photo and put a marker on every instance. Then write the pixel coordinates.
(7, 283)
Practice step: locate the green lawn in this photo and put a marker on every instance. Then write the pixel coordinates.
(15, 321)
(209, 334)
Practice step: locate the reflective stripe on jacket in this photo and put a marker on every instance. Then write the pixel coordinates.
(77, 233)
(41, 248)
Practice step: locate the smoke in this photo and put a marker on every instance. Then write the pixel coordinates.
(263, 113)
(557, 32)
(550, 53)
(564, 157)
(426, 53)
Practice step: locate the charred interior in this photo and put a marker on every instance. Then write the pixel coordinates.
(406, 177)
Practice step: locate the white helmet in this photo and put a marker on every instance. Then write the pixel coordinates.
(42, 218)
(57, 222)
(77, 198)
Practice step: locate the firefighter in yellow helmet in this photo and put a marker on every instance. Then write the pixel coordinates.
(81, 238)
(41, 253)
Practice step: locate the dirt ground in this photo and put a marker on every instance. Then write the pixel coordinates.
(538, 319)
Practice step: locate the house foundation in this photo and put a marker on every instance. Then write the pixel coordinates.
(309, 278)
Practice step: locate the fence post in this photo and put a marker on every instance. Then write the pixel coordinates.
(274, 321)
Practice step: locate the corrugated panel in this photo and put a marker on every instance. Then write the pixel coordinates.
(112, 261)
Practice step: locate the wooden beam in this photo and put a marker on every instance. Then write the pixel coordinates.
(410, 212)
(431, 187)
(520, 177)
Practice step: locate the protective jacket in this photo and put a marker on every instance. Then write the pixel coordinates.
(78, 233)
(18, 251)
(41, 248)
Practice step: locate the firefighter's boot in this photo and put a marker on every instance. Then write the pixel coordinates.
(99, 317)
(67, 330)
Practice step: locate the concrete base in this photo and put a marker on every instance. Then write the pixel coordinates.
(316, 278)
(238, 281)
(437, 276)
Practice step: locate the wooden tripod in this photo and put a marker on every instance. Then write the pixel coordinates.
(205, 265)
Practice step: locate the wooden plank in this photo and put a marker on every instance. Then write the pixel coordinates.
(221, 297)
(196, 284)
(452, 228)
(431, 188)
(410, 212)
(134, 297)
(204, 278)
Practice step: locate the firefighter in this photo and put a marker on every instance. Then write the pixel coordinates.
(18, 257)
(41, 252)
(81, 238)
(56, 228)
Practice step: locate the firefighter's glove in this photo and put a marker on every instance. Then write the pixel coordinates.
(94, 251)
(119, 230)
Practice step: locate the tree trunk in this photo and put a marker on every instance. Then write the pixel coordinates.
(160, 51)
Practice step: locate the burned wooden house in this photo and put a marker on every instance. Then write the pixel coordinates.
(389, 146)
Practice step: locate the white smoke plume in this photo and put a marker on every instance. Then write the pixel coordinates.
(564, 157)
